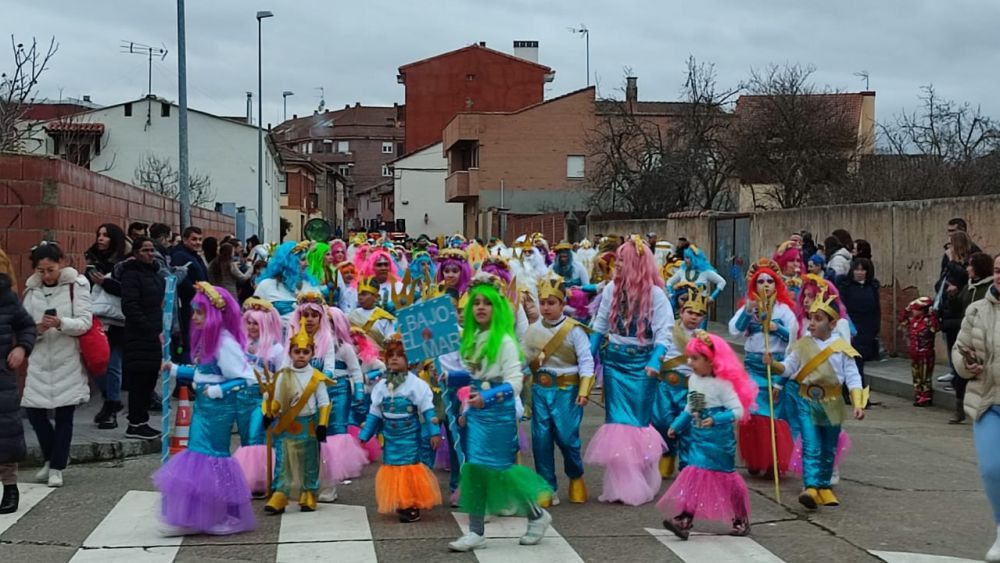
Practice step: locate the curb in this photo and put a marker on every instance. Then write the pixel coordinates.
(91, 452)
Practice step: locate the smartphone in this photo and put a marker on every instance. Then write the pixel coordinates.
(50, 312)
(90, 268)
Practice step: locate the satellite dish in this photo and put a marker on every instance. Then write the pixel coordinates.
(318, 230)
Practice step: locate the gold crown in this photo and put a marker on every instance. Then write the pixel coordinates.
(640, 246)
(498, 260)
(563, 246)
(453, 253)
(310, 297)
(257, 304)
(368, 283)
(407, 295)
(209, 291)
(762, 263)
(431, 290)
(826, 305)
(697, 302)
(301, 339)
(301, 247)
(705, 338)
(551, 286)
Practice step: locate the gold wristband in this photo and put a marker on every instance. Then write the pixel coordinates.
(324, 415)
(859, 397)
(586, 385)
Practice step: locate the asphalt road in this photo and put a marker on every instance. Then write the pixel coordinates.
(909, 486)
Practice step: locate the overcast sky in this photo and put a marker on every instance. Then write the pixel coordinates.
(353, 49)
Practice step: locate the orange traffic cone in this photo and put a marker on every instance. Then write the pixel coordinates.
(182, 424)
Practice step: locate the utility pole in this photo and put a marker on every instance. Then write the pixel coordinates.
(182, 121)
(260, 132)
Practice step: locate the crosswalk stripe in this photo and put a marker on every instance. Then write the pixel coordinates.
(717, 549)
(130, 532)
(903, 557)
(31, 494)
(302, 534)
(502, 536)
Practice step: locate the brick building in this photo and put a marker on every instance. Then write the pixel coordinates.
(357, 142)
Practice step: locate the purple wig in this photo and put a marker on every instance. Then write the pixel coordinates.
(205, 340)
(463, 278)
(498, 268)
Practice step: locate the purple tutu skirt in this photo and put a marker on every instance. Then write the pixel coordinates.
(631, 457)
(371, 447)
(442, 458)
(706, 495)
(253, 463)
(341, 457)
(523, 445)
(843, 448)
(205, 494)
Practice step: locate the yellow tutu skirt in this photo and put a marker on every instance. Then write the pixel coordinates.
(406, 486)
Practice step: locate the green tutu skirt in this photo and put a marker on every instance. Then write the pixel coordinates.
(490, 491)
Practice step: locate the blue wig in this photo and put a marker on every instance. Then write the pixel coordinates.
(287, 264)
(566, 272)
(417, 263)
(699, 262)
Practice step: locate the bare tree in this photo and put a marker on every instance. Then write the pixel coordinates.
(159, 176)
(18, 88)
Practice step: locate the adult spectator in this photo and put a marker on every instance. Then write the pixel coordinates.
(956, 254)
(976, 357)
(838, 258)
(17, 338)
(862, 249)
(209, 248)
(136, 230)
(106, 304)
(142, 295)
(187, 253)
(860, 293)
(979, 272)
(160, 235)
(225, 271)
(845, 238)
(58, 299)
(809, 248)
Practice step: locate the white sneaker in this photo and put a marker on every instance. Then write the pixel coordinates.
(536, 529)
(169, 531)
(42, 476)
(468, 542)
(55, 478)
(835, 477)
(555, 499)
(993, 555)
(509, 511)
(946, 378)
(328, 494)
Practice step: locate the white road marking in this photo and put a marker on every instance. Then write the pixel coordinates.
(502, 535)
(902, 557)
(31, 494)
(716, 549)
(346, 529)
(130, 532)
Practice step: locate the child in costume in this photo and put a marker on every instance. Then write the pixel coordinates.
(302, 409)
(375, 321)
(203, 489)
(402, 410)
(384, 274)
(322, 267)
(788, 257)
(720, 395)
(821, 364)
(372, 368)
(264, 351)
(636, 317)
(284, 277)
(557, 351)
(764, 287)
(453, 269)
(672, 388)
(699, 271)
(491, 482)
(921, 326)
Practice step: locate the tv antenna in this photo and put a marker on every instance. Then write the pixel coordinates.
(322, 99)
(863, 74)
(133, 48)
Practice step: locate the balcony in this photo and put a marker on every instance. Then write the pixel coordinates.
(462, 186)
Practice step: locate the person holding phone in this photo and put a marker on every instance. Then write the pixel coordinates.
(57, 298)
(103, 256)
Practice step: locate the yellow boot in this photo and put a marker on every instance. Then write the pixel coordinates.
(827, 498)
(307, 501)
(277, 503)
(810, 498)
(667, 464)
(577, 490)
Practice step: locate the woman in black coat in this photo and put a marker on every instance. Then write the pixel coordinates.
(17, 338)
(142, 301)
(860, 293)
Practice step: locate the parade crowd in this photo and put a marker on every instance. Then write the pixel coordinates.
(297, 345)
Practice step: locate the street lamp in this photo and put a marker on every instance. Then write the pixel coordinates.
(260, 132)
(284, 103)
(582, 30)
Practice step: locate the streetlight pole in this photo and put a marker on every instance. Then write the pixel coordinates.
(260, 132)
(184, 195)
(284, 103)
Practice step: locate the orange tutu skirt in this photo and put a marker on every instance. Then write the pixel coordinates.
(406, 486)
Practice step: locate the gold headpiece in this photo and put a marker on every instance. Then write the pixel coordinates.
(640, 246)
(301, 339)
(563, 246)
(257, 304)
(209, 291)
(697, 302)
(608, 244)
(407, 295)
(498, 260)
(345, 265)
(826, 305)
(705, 338)
(538, 238)
(551, 286)
(368, 283)
(431, 290)
(453, 253)
(585, 243)
(762, 263)
(310, 297)
(302, 247)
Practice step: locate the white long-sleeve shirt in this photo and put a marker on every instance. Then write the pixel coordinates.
(577, 339)
(302, 376)
(507, 365)
(784, 317)
(705, 279)
(661, 320)
(717, 392)
(413, 388)
(231, 361)
(843, 365)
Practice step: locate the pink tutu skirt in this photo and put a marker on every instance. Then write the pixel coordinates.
(630, 456)
(372, 448)
(341, 457)
(205, 494)
(253, 462)
(706, 495)
(843, 448)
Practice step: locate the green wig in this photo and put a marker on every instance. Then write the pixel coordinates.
(316, 260)
(501, 325)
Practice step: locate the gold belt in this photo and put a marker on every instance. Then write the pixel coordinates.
(672, 377)
(820, 393)
(568, 380)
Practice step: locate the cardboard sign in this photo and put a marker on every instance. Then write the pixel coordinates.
(429, 329)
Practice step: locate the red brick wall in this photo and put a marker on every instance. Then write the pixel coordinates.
(44, 197)
(551, 225)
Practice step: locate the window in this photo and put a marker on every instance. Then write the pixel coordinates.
(344, 170)
(164, 110)
(327, 146)
(343, 146)
(574, 166)
(386, 170)
(128, 110)
(387, 147)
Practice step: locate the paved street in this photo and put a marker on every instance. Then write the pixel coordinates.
(909, 487)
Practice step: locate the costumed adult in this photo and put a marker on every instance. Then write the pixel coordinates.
(284, 277)
(385, 275)
(636, 319)
(574, 274)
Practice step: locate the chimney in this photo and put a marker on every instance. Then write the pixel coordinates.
(86, 98)
(527, 50)
(250, 108)
(482, 43)
(631, 93)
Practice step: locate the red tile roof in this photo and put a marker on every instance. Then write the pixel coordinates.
(847, 104)
(404, 68)
(72, 127)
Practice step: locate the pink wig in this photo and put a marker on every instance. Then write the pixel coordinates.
(269, 323)
(374, 256)
(361, 256)
(205, 341)
(338, 244)
(726, 366)
(578, 301)
(635, 281)
(810, 285)
(463, 278)
(341, 326)
(323, 339)
(791, 254)
(367, 349)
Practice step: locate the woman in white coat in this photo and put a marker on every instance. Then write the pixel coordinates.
(58, 299)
